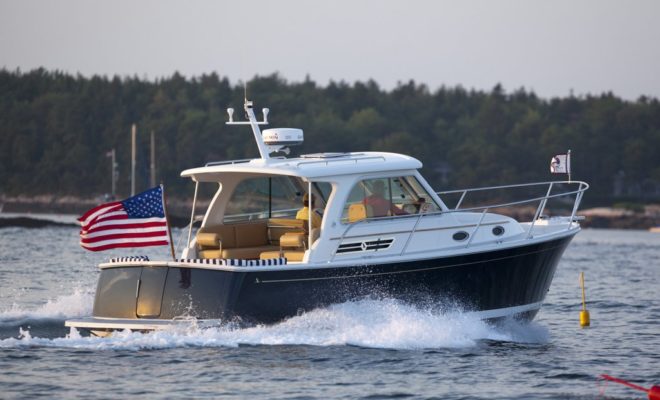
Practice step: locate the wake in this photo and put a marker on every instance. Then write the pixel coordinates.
(77, 304)
(385, 324)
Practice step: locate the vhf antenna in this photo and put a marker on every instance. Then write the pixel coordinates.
(245, 100)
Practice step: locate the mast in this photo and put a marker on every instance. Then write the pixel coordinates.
(114, 172)
(263, 150)
(153, 160)
(252, 121)
(271, 140)
(133, 134)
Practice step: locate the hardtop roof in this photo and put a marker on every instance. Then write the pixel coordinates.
(308, 166)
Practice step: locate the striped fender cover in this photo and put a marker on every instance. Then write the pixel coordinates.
(234, 262)
(129, 259)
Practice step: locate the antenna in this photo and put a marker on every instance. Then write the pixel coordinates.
(252, 121)
(271, 140)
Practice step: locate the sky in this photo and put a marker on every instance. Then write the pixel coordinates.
(554, 48)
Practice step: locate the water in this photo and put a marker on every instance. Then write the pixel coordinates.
(363, 349)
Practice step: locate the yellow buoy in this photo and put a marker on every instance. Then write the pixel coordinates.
(584, 318)
(584, 314)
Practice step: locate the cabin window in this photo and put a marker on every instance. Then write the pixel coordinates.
(391, 196)
(269, 197)
(498, 230)
(460, 236)
(323, 190)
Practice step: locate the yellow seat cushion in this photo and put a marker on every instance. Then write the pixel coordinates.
(247, 252)
(210, 254)
(240, 241)
(292, 240)
(225, 232)
(291, 255)
(208, 239)
(251, 235)
(267, 255)
(280, 226)
(294, 255)
(359, 211)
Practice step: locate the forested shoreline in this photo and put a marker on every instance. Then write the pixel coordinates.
(56, 129)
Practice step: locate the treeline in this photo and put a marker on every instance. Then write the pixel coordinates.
(55, 131)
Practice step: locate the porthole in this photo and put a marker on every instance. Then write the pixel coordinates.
(498, 231)
(460, 236)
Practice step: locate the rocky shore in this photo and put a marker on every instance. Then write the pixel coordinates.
(619, 218)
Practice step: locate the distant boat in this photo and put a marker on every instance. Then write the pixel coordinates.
(655, 229)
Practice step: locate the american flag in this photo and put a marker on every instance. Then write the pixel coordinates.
(138, 221)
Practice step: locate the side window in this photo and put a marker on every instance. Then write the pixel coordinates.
(383, 197)
(286, 196)
(376, 197)
(262, 198)
(400, 194)
(323, 189)
(356, 196)
(418, 200)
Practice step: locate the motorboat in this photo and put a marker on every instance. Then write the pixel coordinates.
(285, 235)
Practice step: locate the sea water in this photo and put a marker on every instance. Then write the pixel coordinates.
(362, 349)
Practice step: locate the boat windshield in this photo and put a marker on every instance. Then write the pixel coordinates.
(271, 197)
(390, 196)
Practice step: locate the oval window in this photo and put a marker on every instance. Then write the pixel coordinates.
(460, 235)
(498, 231)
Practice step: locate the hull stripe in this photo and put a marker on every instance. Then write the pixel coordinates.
(505, 312)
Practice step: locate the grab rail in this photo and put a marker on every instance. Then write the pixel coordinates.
(228, 162)
(232, 162)
(337, 160)
(579, 192)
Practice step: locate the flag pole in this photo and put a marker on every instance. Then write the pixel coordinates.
(133, 150)
(167, 221)
(568, 165)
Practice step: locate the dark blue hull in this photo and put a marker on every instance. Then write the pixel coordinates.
(503, 279)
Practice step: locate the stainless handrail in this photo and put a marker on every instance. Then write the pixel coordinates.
(215, 163)
(514, 186)
(583, 186)
(476, 228)
(539, 210)
(336, 160)
(240, 161)
(412, 233)
(460, 201)
(341, 239)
